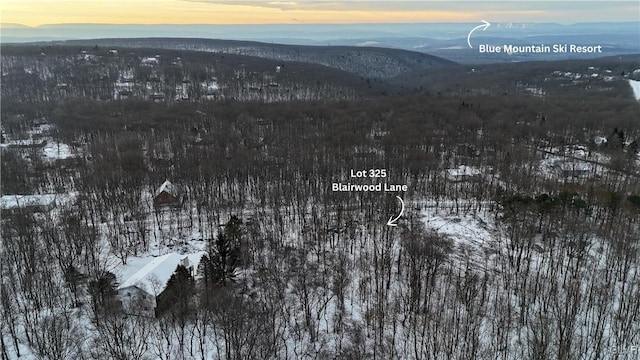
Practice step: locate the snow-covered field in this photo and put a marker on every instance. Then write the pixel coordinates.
(472, 235)
(635, 86)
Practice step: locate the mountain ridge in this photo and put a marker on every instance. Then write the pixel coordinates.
(370, 62)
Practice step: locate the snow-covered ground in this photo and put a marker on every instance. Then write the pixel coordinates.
(50, 150)
(40, 136)
(573, 161)
(42, 200)
(471, 234)
(56, 151)
(635, 86)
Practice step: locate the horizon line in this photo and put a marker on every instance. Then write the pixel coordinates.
(314, 23)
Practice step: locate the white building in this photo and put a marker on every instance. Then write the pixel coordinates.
(575, 170)
(149, 61)
(139, 292)
(462, 173)
(35, 202)
(38, 203)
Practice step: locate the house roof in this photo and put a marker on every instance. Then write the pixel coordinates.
(463, 170)
(21, 201)
(44, 200)
(153, 277)
(150, 60)
(167, 187)
(575, 166)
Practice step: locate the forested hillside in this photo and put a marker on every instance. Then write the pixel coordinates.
(518, 237)
(49, 74)
(369, 62)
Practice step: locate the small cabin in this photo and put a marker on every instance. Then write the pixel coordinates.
(166, 195)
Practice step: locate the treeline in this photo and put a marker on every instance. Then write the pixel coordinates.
(56, 73)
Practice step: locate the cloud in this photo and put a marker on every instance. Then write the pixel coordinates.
(539, 11)
(345, 5)
(473, 5)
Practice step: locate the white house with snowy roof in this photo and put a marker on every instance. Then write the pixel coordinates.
(462, 173)
(39, 203)
(35, 202)
(138, 294)
(149, 61)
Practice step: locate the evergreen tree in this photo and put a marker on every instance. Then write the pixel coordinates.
(176, 298)
(219, 266)
(233, 230)
(205, 276)
(225, 260)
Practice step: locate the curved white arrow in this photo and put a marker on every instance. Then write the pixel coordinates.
(392, 221)
(484, 26)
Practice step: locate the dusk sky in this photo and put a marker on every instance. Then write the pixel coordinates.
(39, 12)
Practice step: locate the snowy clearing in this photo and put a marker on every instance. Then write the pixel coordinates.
(635, 86)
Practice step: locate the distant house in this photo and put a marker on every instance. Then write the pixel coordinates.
(30, 203)
(600, 140)
(462, 173)
(156, 96)
(24, 143)
(139, 292)
(210, 89)
(36, 203)
(166, 195)
(575, 170)
(149, 61)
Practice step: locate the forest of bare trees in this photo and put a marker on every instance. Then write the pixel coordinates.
(293, 270)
